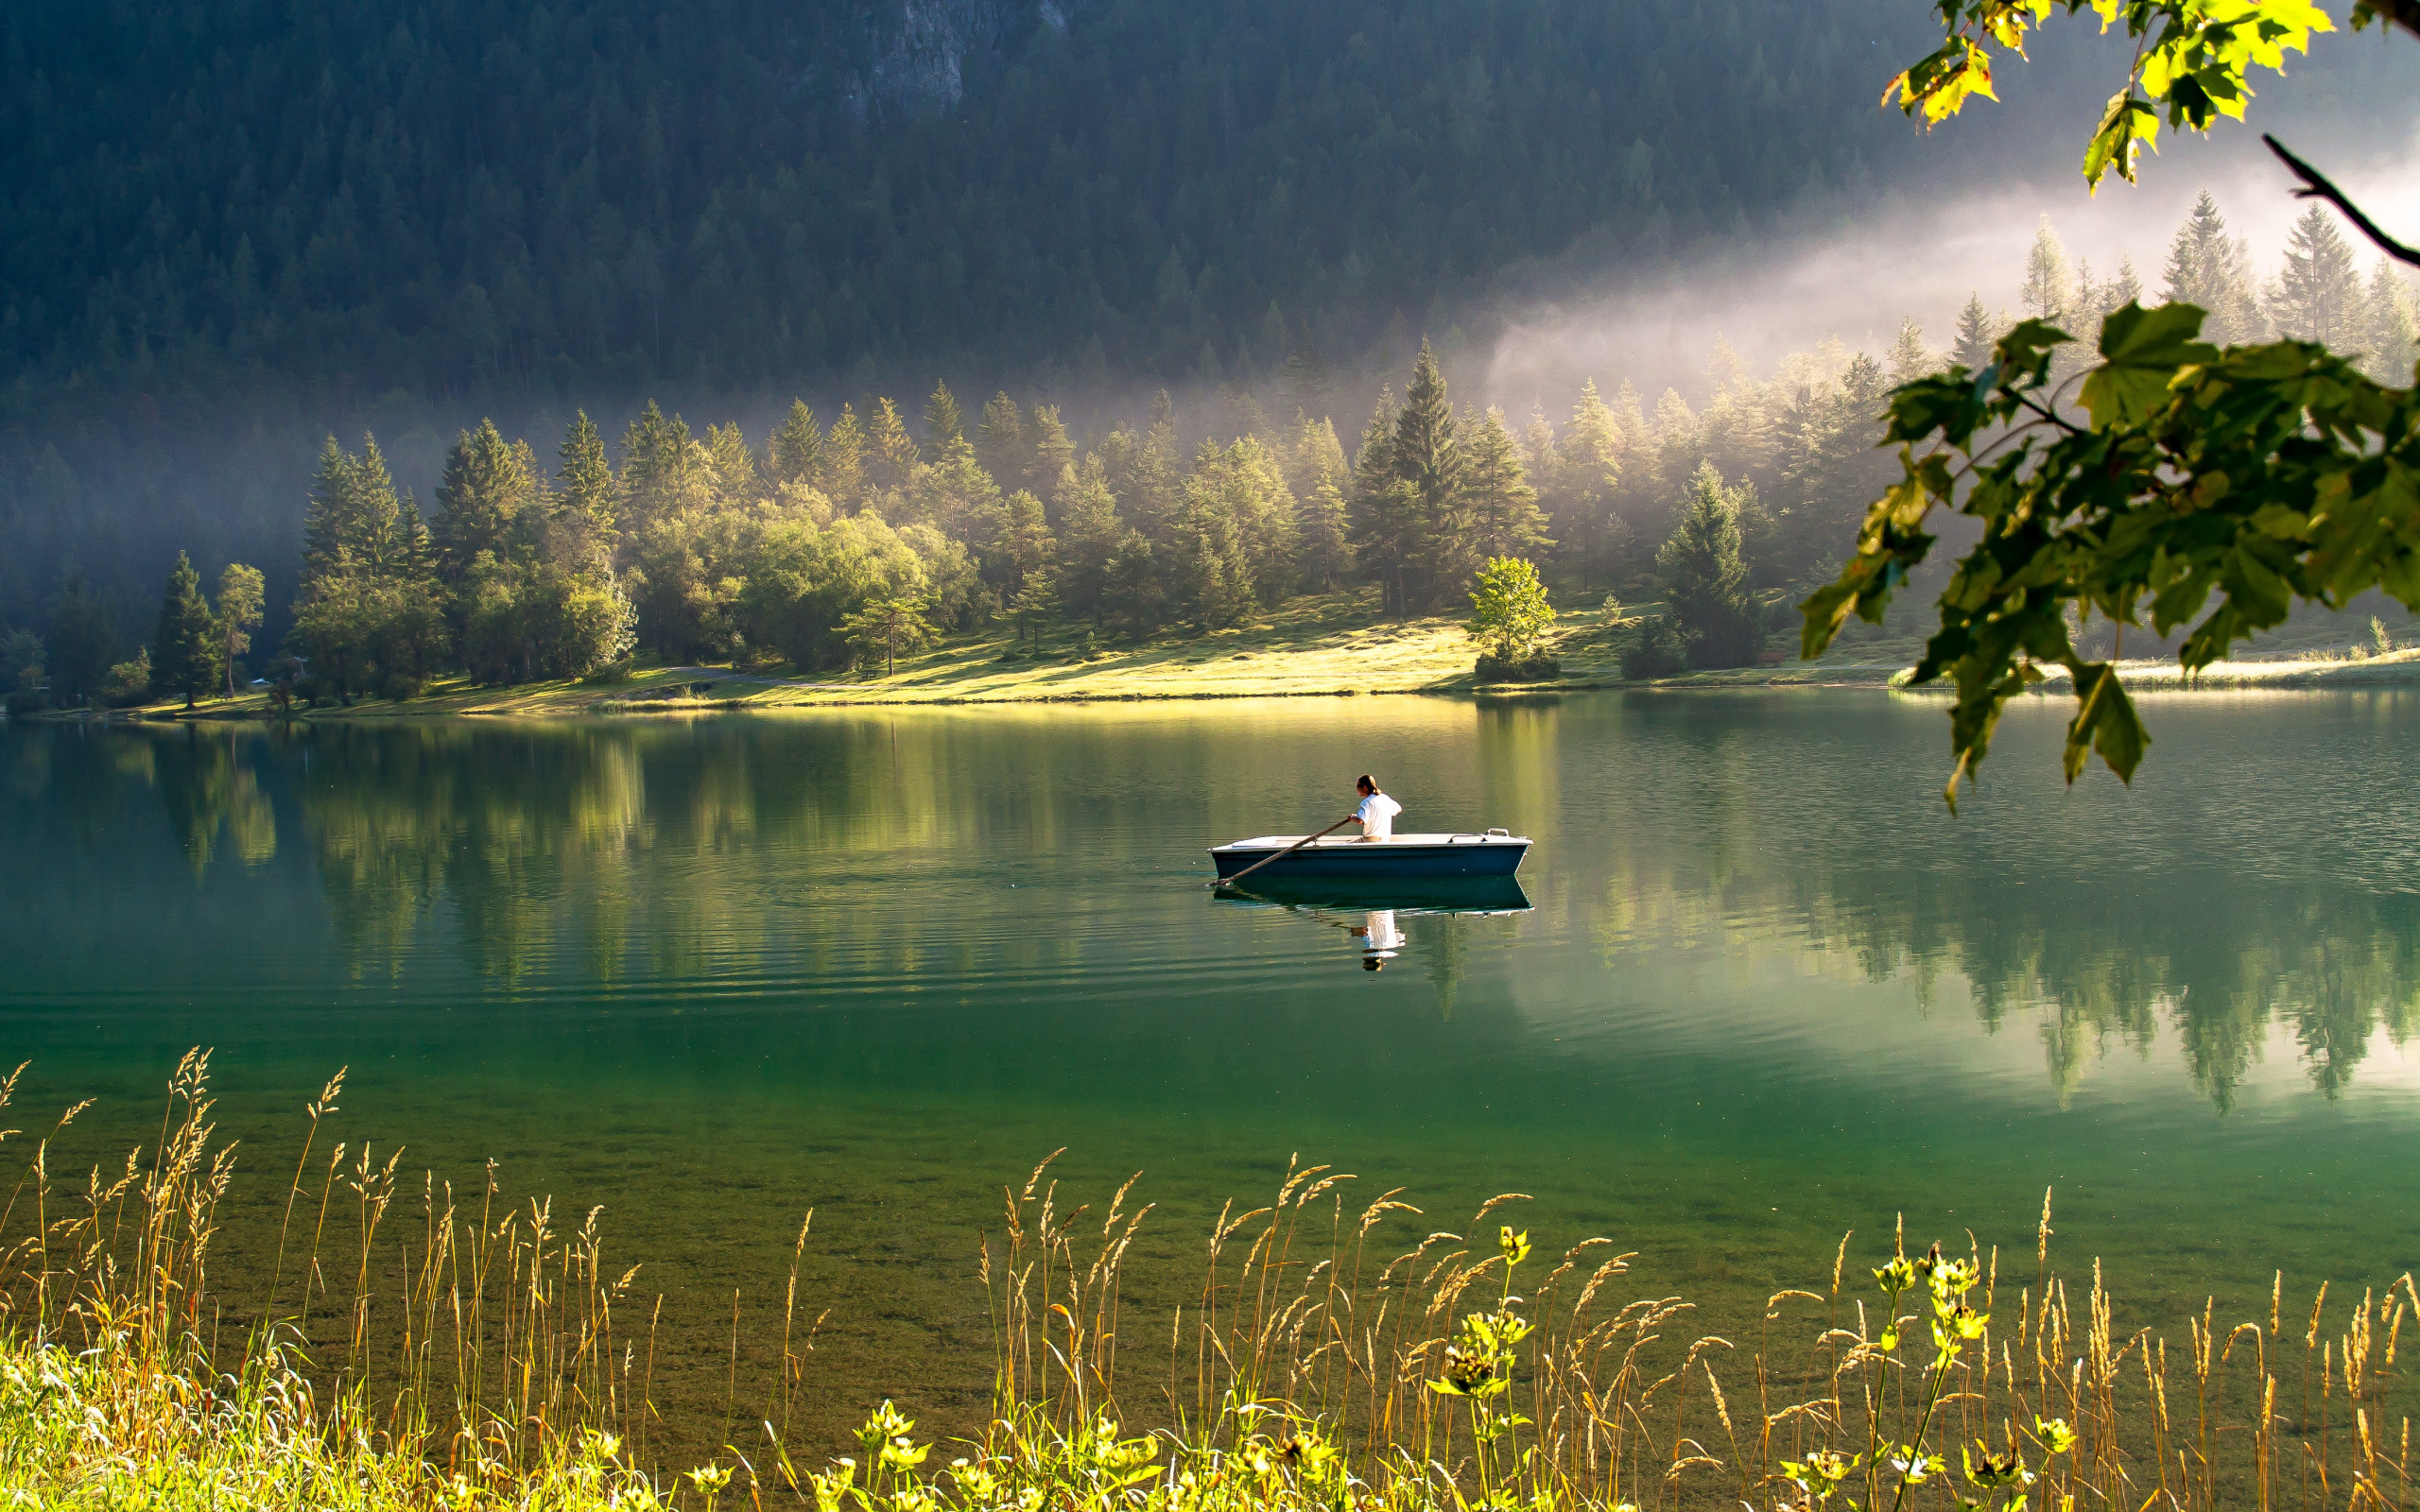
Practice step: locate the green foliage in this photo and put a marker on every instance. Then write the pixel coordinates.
(2193, 63)
(2200, 490)
(128, 682)
(1660, 650)
(1705, 579)
(242, 598)
(185, 648)
(84, 643)
(884, 627)
(1509, 610)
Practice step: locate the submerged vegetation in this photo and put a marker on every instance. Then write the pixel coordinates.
(1338, 1354)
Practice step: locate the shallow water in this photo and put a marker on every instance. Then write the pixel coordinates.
(710, 973)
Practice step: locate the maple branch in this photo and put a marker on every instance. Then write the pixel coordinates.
(2316, 186)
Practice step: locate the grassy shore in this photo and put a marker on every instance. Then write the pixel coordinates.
(1331, 644)
(1335, 645)
(1331, 1361)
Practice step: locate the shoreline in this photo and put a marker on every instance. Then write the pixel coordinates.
(1310, 649)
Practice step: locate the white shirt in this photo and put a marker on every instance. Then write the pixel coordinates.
(1380, 935)
(1377, 816)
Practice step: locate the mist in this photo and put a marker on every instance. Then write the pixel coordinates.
(1921, 255)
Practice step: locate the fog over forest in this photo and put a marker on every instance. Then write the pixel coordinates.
(1735, 294)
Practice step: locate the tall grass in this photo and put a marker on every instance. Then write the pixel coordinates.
(483, 1353)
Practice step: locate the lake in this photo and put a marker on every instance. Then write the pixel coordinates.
(710, 972)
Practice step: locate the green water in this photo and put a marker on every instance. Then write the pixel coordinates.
(709, 973)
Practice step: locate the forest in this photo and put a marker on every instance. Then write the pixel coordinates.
(840, 540)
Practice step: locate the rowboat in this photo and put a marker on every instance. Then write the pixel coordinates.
(1495, 853)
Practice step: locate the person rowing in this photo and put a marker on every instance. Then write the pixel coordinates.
(1377, 811)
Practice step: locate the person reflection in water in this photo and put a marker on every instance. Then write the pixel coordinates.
(1377, 811)
(1379, 937)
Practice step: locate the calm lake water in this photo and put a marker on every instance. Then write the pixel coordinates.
(712, 972)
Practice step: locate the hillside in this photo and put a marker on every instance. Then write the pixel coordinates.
(609, 196)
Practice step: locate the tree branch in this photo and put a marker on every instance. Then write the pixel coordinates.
(2316, 186)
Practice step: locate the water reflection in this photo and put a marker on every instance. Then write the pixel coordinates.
(696, 857)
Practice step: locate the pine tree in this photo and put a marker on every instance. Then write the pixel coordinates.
(330, 527)
(1588, 469)
(797, 449)
(943, 422)
(185, 648)
(355, 520)
(585, 485)
(1383, 509)
(1705, 581)
(2207, 268)
(2390, 325)
(891, 452)
(842, 475)
(731, 466)
(1429, 463)
(1977, 333)
(1024, 548)
(999, 438)
(2318, 294)
(664, 470)
(1089, 531)
(1052, 452)
(1911, 358)
(1502, 507)
(485, 485)
(2049, 292)
(2126, 289)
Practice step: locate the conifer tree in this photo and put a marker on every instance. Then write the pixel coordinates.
(1383, 509)
(842, 474)
(1052, 451)
(999, 439)
(1502, 507)
(1705, 581)
(2050, 291)
(355, 521)
(796, 451)
(1910, 358)
(584, 482)
(486, 483)
(890, 452)
(1089, 531)
(1430, 463)
(330, 527)
(2391, 326)
(730, 466)
(1977, 332)
(2318, 294)
(2207, 268)
(664, 470)
(184, 646)
(943, 422)
(1023, 547)
(1588, 469)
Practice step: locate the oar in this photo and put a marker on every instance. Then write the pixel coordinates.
(1229, 882)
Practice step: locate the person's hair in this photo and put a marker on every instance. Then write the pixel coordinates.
(1371, 963)
(1365, 780)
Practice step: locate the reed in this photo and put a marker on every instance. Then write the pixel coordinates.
(486, 1353)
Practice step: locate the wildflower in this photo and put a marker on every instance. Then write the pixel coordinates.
(2054, 1433)
(1991, 1471)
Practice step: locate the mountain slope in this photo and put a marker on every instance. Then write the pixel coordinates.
(458, 196)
